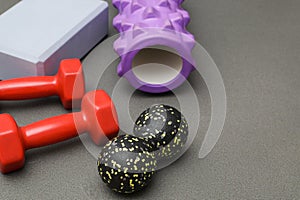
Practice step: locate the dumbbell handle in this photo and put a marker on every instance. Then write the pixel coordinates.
(53, 130)
(21, 88)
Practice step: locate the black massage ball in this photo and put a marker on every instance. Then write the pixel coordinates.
(126, 165)
(165, 129)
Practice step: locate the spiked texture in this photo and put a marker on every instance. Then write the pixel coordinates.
(144, 23)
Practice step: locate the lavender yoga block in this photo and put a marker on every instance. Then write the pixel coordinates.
(154, 45)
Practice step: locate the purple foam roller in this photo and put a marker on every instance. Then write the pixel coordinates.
(154, 45)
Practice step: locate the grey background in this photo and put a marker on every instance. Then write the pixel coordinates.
(256, 44)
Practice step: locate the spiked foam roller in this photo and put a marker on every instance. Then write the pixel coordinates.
(154, 45)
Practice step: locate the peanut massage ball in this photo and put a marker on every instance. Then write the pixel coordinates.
(125, 164)
(164, 128)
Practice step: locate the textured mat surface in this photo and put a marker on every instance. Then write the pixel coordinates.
(256, 46)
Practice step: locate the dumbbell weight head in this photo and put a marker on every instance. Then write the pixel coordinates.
(70, 82)
(11, 146)
(99, 113)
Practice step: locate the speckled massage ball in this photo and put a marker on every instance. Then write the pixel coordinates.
(165, 128)
(126, 165)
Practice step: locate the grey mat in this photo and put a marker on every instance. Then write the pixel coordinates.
(256, 45)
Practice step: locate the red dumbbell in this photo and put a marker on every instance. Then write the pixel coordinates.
(98, 117)
(62, 84)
